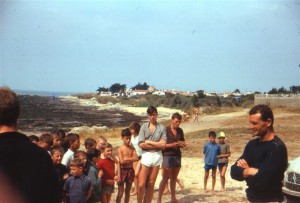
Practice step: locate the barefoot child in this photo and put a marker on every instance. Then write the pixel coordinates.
(223, 158)
(135, 129)
(211, 151)
(107, 165)
(127, 155)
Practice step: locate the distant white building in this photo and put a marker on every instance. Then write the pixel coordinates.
(105, 94)
(138, 92)
(160, 93)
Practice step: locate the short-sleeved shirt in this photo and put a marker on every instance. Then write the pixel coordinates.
(108, 167)
(224, 150)
(211, 152)
(77, 188)
(158, 134)
(68, 156)
(171, 138)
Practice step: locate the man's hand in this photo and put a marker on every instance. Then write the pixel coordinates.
(175, 145)
(242, 163)
(249, 172)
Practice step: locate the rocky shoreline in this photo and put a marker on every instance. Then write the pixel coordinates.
(43, 114)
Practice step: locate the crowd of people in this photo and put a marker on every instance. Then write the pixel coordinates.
(52, 168)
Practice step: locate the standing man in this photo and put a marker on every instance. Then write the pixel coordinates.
(264, 159)
(172, 157)
(28, 169)
(152, 139)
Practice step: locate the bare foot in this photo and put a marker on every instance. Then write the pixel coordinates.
(133, 193)
(174, 201)
(223, 189)
(213, 192)
(180, 184)
(166, 192)
(205, 190)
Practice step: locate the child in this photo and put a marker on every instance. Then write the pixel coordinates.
(57, 139)
(89, 143)
(223, 158)
(107, 165)
(211, 151)
(61, 170)
(127, 155)
(82, 155)
(74, 143)
(34, 139)
(101, 140)
(46, 142)
(78, 187)
(135, 129)
(95, 176)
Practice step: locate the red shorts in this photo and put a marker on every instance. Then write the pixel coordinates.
(127, 175)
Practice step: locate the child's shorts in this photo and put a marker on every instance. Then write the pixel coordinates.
(171, 162)
(151, 159)
(127, 175)
(108, 189)
(220, 165)
(208, 167)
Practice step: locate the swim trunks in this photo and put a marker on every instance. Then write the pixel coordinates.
(151, 158)
(108, 189)
(171, 161)
(220, 165)
(208, 167)
(127, 175)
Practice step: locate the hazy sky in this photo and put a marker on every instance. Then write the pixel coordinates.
(79, 46)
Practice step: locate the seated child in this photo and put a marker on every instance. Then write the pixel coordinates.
(74, 143)
(95, 176)
(107, 165)
(211, 151)
(78, 187)
(61, 170)
(127, 155)
(46, 142)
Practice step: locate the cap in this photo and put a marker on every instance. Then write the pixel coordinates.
(221, 134)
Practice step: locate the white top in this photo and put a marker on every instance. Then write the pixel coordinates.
(68, 156)
(135, 144)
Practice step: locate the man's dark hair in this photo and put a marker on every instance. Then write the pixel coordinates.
(72, 137)
(56, 149)
(61, 133)
(265, 112)
(47, 138)
(9, 107)
(176, 115)
(212, 133)
(89, 142)
(92, 152)
(33, 138)
(151, 109)
(126, 132)
(135, 126)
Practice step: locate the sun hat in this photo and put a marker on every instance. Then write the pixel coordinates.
(221, 134)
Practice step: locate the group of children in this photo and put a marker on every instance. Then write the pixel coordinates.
(89, 176)
(216, 155)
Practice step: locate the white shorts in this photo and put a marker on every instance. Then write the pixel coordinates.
(151, 158)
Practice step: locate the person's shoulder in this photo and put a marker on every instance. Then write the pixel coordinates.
(277, 142)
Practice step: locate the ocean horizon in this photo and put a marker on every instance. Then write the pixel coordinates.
(44, 93)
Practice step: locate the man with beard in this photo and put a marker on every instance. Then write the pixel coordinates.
(264, 159)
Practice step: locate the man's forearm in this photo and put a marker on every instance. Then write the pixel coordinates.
(248, 172)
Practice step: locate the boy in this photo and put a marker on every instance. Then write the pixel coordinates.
(100, 141)
(89, 143)
(78, 187)
(211, 151)
(74, 143)
(79, 154)
(95, 176)
(57, 139)
(46, 142)
(223, 158)
(127, 155)
(34, 139)
(61, 170)
(107, 165)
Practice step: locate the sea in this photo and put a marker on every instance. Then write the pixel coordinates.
(44, 93)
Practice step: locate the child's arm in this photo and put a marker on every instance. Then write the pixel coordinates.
(133, 158)
(224, 155)
(88, 195)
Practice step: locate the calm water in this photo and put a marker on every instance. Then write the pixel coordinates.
(44, 93)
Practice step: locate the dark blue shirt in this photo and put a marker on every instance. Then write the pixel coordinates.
(77, 188)
(211, 152)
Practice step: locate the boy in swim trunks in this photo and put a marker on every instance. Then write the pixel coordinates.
(152, 139)
(127, 155)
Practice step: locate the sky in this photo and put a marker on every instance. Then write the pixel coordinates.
(78, 46)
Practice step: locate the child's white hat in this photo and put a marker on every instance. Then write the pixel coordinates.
(221, 134)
